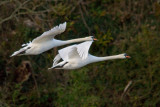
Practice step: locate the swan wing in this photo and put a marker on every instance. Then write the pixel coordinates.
(48, 35)
(75, 51)
(20, 52)
(83, 49)
(56, 59)
(65, 51)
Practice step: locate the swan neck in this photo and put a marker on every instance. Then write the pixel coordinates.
(98, 59)
(75, 40)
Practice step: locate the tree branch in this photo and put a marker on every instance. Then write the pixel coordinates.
(14, 12)
(84, 21)
(126, 89)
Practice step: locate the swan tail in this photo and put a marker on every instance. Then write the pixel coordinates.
(22, 51)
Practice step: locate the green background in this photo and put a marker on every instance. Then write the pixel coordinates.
(121, 26)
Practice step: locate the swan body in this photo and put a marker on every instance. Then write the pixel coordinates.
(46, 41)
(77, 56)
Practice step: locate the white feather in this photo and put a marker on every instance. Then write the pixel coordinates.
(72, 51)
(83, 49)
(56, 59)
(48, 35)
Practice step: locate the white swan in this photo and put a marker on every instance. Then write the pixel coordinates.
(77, 56)
(46, 41)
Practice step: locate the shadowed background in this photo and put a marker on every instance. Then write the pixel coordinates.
(121, 26)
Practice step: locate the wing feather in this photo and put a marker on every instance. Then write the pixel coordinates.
(81, 50)
(65, 51)
(56, 59)
(48, 35)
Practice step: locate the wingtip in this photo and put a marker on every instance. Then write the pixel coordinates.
(65, 24)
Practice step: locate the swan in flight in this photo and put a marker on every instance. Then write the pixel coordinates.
(46, 41)
(77, 56)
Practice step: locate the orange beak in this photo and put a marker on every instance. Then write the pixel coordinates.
(128, 56)
(95, 39)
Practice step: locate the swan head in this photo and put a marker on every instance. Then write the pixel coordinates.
(126, 55)
(123, 56)
(90, 38)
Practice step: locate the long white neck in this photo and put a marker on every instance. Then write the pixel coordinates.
(98, 59)
(75, 40)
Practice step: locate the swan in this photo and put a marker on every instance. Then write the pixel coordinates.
(46, 41)
(77, 56)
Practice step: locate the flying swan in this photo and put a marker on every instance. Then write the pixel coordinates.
(77, 56)
(46, 41)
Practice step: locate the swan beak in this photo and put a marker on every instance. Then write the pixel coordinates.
(95, 39)
(128, 56)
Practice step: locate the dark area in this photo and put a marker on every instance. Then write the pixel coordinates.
(121, 26)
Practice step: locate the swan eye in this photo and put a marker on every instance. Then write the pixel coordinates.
(93, 37)
(125, 54)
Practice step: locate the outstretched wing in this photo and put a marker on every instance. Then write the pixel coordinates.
(65, 51)
(75, 51)
(48, 35)
(83, 49)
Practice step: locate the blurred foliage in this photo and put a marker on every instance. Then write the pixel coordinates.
(130, 26)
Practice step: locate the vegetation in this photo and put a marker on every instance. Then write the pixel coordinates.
(130, 26)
